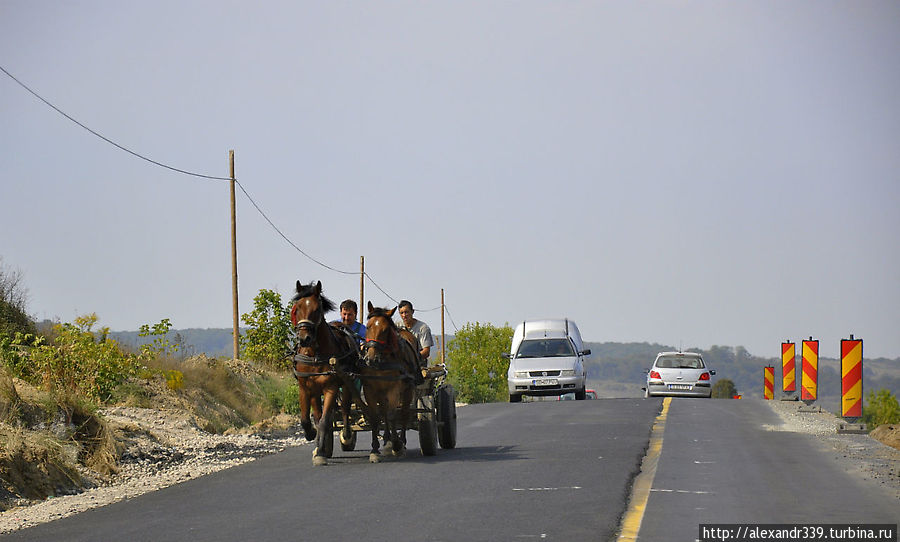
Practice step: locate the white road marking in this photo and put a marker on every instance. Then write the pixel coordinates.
(544, 488)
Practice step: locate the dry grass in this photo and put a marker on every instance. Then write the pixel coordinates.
(52, 444)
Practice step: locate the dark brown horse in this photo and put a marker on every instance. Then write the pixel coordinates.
(387, 372)
(324, 360)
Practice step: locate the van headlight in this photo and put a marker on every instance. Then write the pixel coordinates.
(567, 372)
(521, 374)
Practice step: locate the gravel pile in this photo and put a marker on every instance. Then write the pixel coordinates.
(860, 455)
(163, 448)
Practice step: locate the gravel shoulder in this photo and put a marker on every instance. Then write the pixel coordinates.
(167, 447)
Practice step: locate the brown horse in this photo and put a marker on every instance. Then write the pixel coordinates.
(387, 372)
(324, 360)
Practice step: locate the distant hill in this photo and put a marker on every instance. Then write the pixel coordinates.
(618, 369)
(215, 342)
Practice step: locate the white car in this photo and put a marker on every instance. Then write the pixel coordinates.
(546, 358)
(679, 374)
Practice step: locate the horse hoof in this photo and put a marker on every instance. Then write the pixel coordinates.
(388, 448)
(316, 449)
(398, 452)
(319, 461)
(374, 458)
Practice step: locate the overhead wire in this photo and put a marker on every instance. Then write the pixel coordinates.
(108, 140)
(209, 177)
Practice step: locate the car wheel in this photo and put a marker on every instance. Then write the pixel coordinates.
(579, 395)
(515, 398)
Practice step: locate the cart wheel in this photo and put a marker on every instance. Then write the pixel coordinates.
(350, 445)
(427, 431)
(446, 417)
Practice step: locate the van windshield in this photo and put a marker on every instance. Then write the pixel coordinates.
(545, 348)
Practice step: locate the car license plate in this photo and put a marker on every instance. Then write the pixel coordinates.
(546, 382)
(679, 387)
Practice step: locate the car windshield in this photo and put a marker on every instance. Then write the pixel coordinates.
(679, 362)
(545, 348)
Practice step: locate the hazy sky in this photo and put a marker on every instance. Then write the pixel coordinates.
(689, 173)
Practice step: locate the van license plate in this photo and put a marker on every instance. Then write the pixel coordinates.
(679, 387)
(545, 382)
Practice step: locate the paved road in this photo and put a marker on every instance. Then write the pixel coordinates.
(531, 471)
(720, 464)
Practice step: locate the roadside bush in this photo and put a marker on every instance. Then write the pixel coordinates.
(723, 389)
(76, 361)
(268, 337)
(882, 409)
(476, 366)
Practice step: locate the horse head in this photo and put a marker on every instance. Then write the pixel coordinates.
(381, 333)
(308, 313)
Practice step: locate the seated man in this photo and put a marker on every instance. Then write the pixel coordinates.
(348, 320)
(419, 329)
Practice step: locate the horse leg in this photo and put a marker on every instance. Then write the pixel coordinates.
(374, 418)
(325, 438)
(308, 430)
(346, 399)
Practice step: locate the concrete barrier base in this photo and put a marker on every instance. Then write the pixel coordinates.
(852, 428)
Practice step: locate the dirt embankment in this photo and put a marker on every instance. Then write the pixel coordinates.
(51, 449)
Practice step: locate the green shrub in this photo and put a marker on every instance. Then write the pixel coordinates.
(269, 333)
(882, 408)
(475, 362)
(723, 389)
(76, 361)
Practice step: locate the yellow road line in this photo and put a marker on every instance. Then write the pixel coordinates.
(640, 491)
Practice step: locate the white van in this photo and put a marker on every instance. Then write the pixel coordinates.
(546, 358)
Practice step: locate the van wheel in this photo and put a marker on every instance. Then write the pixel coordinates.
(515, 398)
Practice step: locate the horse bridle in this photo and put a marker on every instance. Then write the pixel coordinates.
(333, 361)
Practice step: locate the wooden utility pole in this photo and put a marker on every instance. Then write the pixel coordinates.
(443, 338)
(362, 277)
(234, 280)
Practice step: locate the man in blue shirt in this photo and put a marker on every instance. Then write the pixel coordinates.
(348, 319)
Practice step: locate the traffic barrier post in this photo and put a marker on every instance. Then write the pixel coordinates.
(768, 383)
(788, 374)
(852, 386)
(809, 376)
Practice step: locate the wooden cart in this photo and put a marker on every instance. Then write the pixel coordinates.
(432, 414)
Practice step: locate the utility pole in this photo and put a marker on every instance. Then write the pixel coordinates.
(443, 337)
(234, 278)
(362, 276)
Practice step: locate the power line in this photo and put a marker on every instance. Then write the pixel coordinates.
(285, 237)
(108, 140)
(210, 177)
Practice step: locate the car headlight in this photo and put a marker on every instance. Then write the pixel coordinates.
(567, 372)
(521, 374)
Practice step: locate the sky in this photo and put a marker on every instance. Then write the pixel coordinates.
(685, 173)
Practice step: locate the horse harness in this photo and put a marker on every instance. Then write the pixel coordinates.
(317, 360)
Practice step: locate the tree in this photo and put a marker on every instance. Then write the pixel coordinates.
(476, 365)
(268, 338)
(723, 389)
(13, 298)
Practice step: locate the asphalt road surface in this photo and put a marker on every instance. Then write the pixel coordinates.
(531, 471)
(721, 463)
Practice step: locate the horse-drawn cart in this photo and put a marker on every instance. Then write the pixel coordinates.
(432, 414)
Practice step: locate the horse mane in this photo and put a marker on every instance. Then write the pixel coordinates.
(308, 290)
